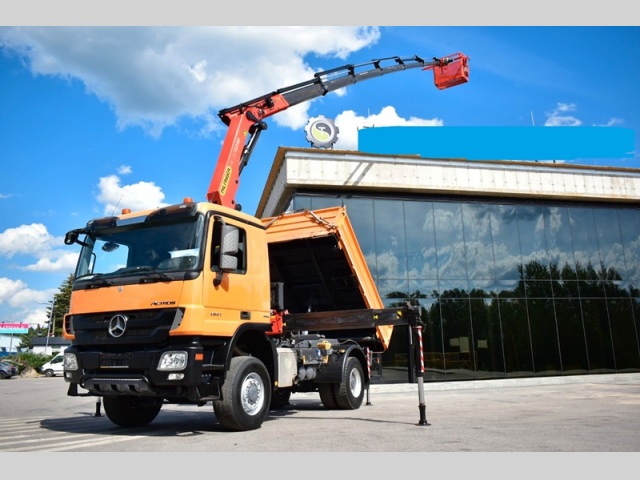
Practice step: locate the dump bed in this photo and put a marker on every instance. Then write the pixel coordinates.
(316, 256)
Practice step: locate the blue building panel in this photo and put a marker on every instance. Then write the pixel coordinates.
(500, 143)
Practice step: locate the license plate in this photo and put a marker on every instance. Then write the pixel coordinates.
(114, 360)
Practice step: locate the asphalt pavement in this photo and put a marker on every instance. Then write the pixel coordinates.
(581, 413)
(573, 414)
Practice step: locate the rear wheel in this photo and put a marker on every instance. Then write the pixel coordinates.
(349, 393)
(351, 390)
(129, 411)
(246, 394)
(327, 396)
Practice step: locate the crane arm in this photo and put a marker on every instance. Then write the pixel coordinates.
(245, 121)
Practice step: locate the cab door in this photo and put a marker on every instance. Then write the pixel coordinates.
(236, 289)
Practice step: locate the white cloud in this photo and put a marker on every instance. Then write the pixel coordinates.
(559, 116)
(9, 288)
(611, 122)
(26, 304)
(152, 76)
(36, 317)
(25, 240)
(348, 123)
(26, 296)
(138, 196)
(35, 242)
(56, 261)
(388, 265)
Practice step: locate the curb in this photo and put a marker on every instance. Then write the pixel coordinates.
(615, 378)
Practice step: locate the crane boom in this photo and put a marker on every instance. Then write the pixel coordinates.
(246, 120)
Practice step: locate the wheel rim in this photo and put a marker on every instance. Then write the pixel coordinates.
(252, 394)
(355, 383)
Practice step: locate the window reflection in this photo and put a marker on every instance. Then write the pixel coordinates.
(516, 338)
(628, 220)
(360, 212)
(449, 241)
(559, 243)
(573, 349)
(506, 289)
(533, 244)
(598, 335)
(487, 336)
(391, 247)
(478, 241)
(422, 262)
(624, 334)
(506, 246)
(585, 243)
(609, 242)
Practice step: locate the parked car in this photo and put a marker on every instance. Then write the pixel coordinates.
(54, 367)
(7, 370)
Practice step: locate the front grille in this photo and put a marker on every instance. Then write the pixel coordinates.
(142, 326)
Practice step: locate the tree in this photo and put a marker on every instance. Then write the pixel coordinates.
(26, 338)
(60, 303)
(60, 306)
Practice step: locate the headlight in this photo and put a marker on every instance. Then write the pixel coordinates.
(173, 361)
(70, 361)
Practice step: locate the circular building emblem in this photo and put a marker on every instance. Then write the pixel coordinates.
(321, 132)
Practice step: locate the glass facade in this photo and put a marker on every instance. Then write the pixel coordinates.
(507, 289)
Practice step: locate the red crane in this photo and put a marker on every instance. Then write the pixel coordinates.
(246, 120)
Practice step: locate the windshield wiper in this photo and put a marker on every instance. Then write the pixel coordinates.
(137, 269)
(155, 277)
(148, 274)
(96, 281)
(100, 283)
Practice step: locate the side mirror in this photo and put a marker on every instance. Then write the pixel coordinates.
(226, 242)
(229, 248)
(71, 237)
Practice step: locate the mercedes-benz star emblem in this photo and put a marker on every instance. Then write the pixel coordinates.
(117, 325)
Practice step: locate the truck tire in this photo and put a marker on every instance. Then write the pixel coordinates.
(349, 393)
(129, 411)
(48, 373)
(246, 395)
(327, 396)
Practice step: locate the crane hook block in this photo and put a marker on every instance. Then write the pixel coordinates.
(450, 71)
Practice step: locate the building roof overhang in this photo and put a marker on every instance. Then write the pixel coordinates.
(300, 169)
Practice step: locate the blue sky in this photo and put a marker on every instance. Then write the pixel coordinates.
(95, 119)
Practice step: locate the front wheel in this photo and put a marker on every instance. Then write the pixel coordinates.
(129, 411)
(246, 394)
(48, 373)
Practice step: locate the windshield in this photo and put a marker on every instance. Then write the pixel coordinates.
(142, 247)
